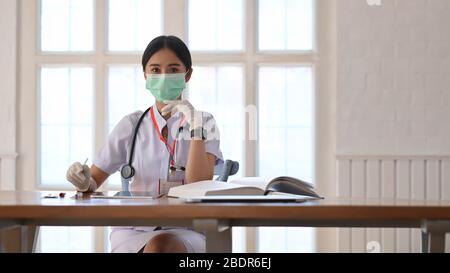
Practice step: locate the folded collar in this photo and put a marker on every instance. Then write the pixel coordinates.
(161, 122)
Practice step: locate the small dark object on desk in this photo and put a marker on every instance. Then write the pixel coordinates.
(62, 194)
(50, 196)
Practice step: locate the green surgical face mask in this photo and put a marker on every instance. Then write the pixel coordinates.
(166, 86)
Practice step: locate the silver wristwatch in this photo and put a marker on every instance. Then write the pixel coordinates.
(199, 133)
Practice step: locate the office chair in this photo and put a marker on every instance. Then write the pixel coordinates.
(223, 170)
(226, 169)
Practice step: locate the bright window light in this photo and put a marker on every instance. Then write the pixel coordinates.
(67, 25)
(216, 25)
(285, 24)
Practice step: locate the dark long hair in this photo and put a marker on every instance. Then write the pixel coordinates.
(171, 42)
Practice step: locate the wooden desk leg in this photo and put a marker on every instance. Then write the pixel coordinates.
(7, 237)
(28, 238)
(433, 236)
(433, 242)
(436, 242)
(218, 235)
(424, 242)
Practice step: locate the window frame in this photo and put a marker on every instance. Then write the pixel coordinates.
(32, 57)
(242, 165)
(107, 51)
(313, 121)
(75, 52)
(221, 51)
(39, 67)
(311, 51)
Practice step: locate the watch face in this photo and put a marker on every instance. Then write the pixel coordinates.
(203, 134)
(199, 132)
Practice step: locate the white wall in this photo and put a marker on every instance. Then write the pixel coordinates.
(393, 109)
(393, 78)
(8, 87)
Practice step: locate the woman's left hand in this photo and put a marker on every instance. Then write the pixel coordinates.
(193, 117)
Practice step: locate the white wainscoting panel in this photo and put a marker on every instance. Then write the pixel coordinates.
(399, 177)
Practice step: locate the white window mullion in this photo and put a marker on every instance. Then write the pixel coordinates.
(250, 86)
(175, 22)
(251, 233)
(100, 23)
(100, 76)
(211, 58)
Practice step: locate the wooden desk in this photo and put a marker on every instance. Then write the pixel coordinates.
(30, 209)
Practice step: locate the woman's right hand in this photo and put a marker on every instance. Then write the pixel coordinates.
(80, 176)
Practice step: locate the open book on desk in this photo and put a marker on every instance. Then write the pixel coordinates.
(251, 186)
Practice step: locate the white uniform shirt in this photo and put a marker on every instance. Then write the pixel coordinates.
(151, 156)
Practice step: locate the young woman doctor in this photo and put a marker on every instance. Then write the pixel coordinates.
(172, 144)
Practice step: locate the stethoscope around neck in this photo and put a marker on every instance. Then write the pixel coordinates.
(127, 171)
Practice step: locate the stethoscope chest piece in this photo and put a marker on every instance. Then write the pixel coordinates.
(127, 171)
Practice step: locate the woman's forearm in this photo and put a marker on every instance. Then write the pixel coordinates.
(200, 165)
(98, 175)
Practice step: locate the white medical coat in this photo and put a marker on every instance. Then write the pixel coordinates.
(151, 156)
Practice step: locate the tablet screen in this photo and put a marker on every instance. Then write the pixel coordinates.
(125, 195)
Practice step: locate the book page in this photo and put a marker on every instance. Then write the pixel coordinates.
(239, 190)
(201, 188)
(283, 184)
(259, 182)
